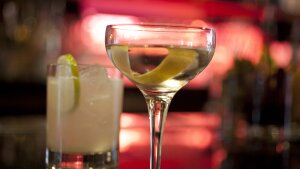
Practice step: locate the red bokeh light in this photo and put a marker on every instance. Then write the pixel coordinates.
(234, 40)
(243, 40)
(201, 138)
(132, 137)
(86, 37)
(281, 53)
(95, 25)
(192, 130)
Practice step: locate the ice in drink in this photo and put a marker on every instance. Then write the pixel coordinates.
(91, 126)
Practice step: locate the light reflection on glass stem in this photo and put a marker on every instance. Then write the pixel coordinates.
(158, 108)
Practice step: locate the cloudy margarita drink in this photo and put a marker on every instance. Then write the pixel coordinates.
(83, 115)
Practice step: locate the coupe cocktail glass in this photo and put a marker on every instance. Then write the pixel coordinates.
(160, 60)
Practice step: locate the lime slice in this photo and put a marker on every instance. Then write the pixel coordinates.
(68, 59)
(173, 64)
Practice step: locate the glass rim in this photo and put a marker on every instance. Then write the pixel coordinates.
(151, 27)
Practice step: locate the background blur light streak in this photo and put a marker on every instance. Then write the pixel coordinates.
(188, 129)
(132, 137)
(200, 138)
(143, 8)
(95, 26)
(174, 9)
(86, 37)
(244, 40)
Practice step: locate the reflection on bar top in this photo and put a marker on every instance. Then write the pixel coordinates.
(178, 119)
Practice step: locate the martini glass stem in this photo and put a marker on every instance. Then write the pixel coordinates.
(158, 110)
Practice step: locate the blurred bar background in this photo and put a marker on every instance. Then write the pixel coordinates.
(242, 112)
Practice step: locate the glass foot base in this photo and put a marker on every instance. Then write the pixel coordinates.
(103, 160)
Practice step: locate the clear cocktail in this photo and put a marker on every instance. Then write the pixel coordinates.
(160, 60)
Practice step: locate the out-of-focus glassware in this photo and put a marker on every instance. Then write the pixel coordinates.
(30, 34)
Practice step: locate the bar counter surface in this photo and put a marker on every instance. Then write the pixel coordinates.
(191, 140)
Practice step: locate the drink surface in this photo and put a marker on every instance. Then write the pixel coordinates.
(159, 68)
(92, 125)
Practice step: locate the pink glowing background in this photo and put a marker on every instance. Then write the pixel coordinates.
(195, 131)
(187, 136)
(234, 40)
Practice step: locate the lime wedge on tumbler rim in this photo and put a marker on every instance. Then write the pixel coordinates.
(68, 60)
(173, 64)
